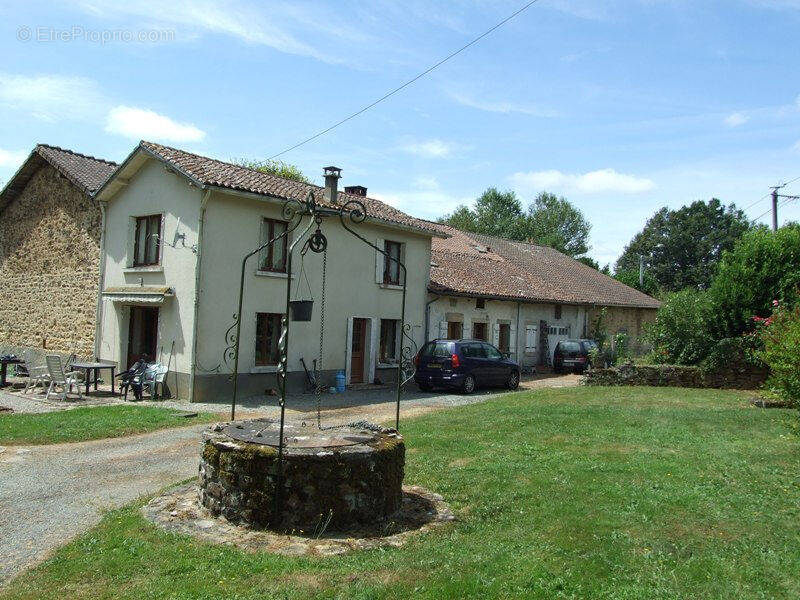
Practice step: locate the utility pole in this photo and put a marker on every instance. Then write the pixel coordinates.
(775, 207)
(641, 271)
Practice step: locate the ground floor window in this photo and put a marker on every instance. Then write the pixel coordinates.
(388, 349)
(504, 337)
(479, 331)
(268, 332)
(455, 330)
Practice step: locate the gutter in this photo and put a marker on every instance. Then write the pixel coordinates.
(428, 315)
(98, 325)
(197, 272)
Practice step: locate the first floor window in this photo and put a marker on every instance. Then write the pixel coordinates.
(391, 264)
(388, 340)
(557, 312)
(479, 331)
(268, 332)
(147, 241)
(480, 303)
(273, 257)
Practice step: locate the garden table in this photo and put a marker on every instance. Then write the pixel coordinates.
(95, 367)
(4, 362)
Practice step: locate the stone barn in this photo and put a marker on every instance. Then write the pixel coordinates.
(50, 236)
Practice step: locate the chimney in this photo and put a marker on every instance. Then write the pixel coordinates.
(356, 190)
(332, 175)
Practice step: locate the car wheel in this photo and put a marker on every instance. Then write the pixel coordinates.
(469, 384)
(425, 387)
(513, 380)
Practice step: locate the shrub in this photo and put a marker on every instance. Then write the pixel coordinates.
(732, 353)
(780, 335)
(681, 332)
(763, 266)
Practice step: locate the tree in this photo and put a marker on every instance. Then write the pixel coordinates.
(683, 247)
(549, 221)
(764, 266)
(495, 213)
(274, 167)
(554, 222)
(631, 278)
(589, 261)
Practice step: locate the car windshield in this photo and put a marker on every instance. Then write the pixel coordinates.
(590, 345)
(437, 350)
(570, 346)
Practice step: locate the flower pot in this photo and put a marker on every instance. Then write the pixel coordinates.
(300, 310)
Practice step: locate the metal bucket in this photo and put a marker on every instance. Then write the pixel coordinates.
(300, 310)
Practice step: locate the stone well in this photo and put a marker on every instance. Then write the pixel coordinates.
(335, 479)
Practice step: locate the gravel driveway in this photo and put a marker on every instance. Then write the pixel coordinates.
(50, 494)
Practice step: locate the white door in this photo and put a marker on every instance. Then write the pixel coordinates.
(555, 334)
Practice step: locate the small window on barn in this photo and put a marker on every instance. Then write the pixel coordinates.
(147, 241)
(480, 303)
(557, 312)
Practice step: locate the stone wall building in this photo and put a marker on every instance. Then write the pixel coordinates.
(50, 229)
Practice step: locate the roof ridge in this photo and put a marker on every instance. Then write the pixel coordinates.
(246, 168)
(73, 152)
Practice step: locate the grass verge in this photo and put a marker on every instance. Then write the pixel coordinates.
(90, 423)
(619, 492)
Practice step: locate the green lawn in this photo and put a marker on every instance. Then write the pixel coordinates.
(90, 423)
(566, 493)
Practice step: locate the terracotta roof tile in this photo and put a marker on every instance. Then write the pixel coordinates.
(86, 172)
(209, 171)
(480, 265)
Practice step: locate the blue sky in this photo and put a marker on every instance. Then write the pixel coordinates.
(622, 106)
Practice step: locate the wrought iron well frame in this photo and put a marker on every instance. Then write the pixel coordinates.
(294, 211)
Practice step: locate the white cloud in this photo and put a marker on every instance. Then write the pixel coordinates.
(500, 106)
(426, 183)
(11, 159)
(51, 97)
(225, 17)
(433, 148)
(593, 182)
(735, 119)
(139, 123)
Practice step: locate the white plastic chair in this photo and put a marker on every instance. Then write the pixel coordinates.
(60, 379)
(155, 374)
(37, 376)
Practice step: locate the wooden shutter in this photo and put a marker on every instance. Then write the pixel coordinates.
(443, 330)
(496, 335)
(379, 261)
(530, 338)
(512, 340)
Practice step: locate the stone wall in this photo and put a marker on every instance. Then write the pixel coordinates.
(629, 320)
(49, 267)
(743, 378)
(343, 486)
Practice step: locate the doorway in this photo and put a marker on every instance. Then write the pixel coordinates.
(358, 350)
(142, 333)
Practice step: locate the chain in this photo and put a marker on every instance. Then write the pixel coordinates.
(318, 369)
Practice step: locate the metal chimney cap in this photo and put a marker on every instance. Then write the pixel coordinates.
(332, 171)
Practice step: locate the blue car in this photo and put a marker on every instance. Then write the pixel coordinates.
(464, 365)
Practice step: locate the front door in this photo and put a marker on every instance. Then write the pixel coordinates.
(142, 333)
(358, 350)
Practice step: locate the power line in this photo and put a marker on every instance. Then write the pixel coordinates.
(407, 83)
(767, 195)
(769, 210)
